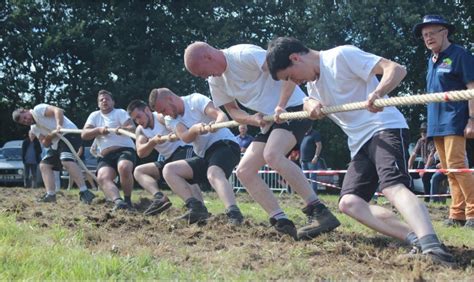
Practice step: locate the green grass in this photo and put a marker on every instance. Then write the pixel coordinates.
(56, 253)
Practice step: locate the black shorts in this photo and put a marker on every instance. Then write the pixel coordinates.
(62, 153)
(113, 158)
(382, 162)
(224, 154)
(297, 126)
(181, 153)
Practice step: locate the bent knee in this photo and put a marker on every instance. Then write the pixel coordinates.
(348, 203)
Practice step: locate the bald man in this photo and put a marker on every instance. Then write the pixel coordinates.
(240, 74)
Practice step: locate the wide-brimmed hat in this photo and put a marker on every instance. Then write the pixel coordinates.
(433, 20)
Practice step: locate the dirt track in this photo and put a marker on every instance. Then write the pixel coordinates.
(252, 247)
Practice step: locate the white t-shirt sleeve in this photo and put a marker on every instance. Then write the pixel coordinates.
(92, 120)
(219, 93)
(200, 102)
(360, 62)
(123, 116)
(40, 110)
(253, 57)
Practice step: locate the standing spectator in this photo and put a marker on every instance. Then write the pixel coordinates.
(243, 138)
(31, 156)
(470, 152)
(310, 151)
(425, 148)
(450, 67)
(436, 183)
(82, 154)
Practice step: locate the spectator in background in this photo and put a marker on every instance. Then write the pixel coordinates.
(470, 152)
(425, 148)
(31, 156)
(243, 138)
(89, 178)
(436, 183)
(310, 152)
(450, 68)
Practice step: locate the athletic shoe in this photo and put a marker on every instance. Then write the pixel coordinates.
(451, 222)
(47, 198)
(320, 220)
(160, 204)
(235, 217)
(197, 212)
(439, 255)
(285, 226)
(120, 205)
(86, 197)
(469, 223)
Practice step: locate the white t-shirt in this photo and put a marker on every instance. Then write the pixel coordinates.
(194, 107)
(44, 124)
(114, 119)
(245, 81)
(167, 148)
(345, 78)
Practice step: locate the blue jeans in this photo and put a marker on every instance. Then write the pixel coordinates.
(312, 176)
(436, 187)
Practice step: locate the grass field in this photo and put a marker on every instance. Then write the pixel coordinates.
(73, 241)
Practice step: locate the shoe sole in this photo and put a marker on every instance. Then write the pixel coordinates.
(313, 233)
(159, 210)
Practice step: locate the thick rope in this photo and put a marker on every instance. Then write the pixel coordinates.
(109, 130)
(385, 102)
(450, 96)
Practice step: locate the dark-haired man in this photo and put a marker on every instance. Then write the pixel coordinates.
(377, 137)
(151, 127)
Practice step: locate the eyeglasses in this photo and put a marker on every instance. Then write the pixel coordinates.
(431, 33)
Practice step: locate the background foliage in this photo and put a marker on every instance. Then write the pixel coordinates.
(63, 52)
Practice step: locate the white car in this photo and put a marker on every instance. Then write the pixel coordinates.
(11, 164)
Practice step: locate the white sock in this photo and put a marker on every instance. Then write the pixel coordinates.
(83, 188)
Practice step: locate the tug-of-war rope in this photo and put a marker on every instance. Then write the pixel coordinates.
(450, 96)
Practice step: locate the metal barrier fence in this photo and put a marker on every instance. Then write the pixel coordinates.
(273, 180)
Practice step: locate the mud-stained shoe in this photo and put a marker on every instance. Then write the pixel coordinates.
(234, 216)
(47, 198)
(469, 224)
(197, 213)
(440, 255)
(120, 205)
(160, 204)
(451, 222)
(86, 197)
(285, 226)
(320, 220)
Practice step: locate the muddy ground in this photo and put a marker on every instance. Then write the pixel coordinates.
(255, 246)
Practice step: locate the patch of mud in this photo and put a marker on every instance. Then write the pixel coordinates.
(253, 246)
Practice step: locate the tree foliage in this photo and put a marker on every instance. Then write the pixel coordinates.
(63, 52)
